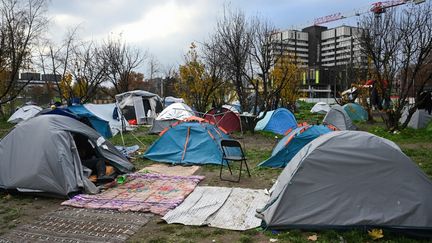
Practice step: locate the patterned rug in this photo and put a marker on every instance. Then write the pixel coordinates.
(79, 225)
(154, 193)
(171, 169)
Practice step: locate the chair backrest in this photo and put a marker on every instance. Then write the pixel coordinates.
(230, 143)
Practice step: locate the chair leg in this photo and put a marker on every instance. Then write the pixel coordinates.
(241, 166)
(221, 168)
(247, 168)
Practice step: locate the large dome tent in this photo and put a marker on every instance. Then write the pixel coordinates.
(41, 155)
(278, 121)
(350, 179)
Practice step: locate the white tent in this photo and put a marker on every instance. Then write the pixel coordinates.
(106, 112)
(177, 111)
(419, 119)
(231, 108)
(140, 105)
(24, 113)
(320, 107)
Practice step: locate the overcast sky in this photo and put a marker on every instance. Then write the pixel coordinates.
(167, 27)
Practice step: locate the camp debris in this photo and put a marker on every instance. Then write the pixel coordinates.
(350, 179)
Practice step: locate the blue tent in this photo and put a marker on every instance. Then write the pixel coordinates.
(356, 112)
(277, 121)
(101, 126)
(189, 143)
(292, 143)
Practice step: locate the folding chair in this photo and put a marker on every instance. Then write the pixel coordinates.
(225, 145)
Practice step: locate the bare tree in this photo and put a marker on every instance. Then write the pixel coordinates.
(233, 38)
(120, 60)
(21, 24)
(399, 44)
(88, 71)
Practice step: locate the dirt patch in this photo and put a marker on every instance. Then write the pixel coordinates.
(19, 209)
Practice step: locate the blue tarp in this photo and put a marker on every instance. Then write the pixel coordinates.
(288, 146)
(278, 121)
(101, 126)
(356, 112)
(189, 143)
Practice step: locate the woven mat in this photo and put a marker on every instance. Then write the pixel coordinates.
(79, 225)
(154, 193)
(170, 169)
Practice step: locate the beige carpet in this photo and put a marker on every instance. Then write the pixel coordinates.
(170, 169)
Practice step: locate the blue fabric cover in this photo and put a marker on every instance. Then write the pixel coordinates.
(201, 148)
(356, 112)
(101, 126)
(283, 153)
(278, 121)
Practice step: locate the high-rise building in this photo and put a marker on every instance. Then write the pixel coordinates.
(326, 55)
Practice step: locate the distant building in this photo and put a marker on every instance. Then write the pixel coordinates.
(329, 57)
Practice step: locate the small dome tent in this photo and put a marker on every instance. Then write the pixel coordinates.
(41, 155)
(349, 179)
(170, 115)
(278, 121)
(339, 118)
(100, 125)
(419, 119)
(292, 143)
(24, 113)
(356, 112)
(224, 118)
(193, 141)
(320, 107)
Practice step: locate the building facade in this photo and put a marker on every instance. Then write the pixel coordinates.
(333, 57)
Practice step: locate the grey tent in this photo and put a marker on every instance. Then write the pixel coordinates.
(140, 105)
(419, 119)
(348, 179)
(339, 118)
(41, 155)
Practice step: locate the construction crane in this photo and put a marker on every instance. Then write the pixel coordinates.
(377, 8)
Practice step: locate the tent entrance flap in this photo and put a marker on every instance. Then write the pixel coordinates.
(186, 143)
(139, 109)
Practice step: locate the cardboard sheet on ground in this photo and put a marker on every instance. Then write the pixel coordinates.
(171, 170)
(154, 193)
(220, 207)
